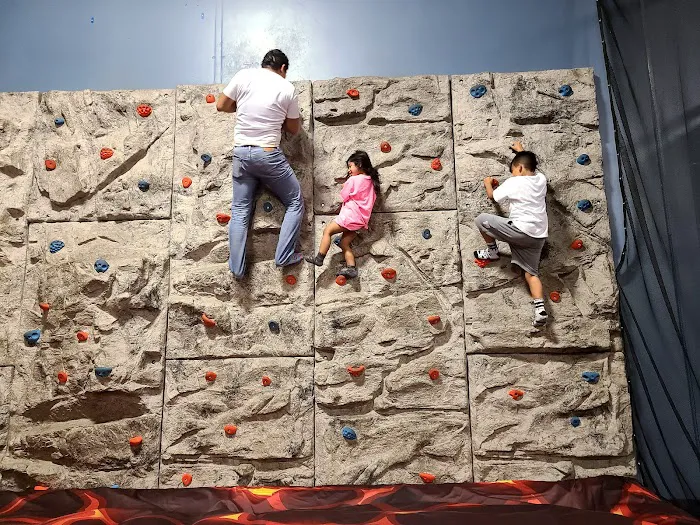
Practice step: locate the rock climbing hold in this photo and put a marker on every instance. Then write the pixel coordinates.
(566, 91)
(583, 159)
(82, 336)
(40, 488)
(584, 205)
(481, 263)
(434, 319)
(415, 109)
(426, 234)
(353, 93)
(103, 371)
(356, 371)
(427, 477)
(385, 147)
(337, 239)
(136, 441)
(267, 206)
(291, 280)
(478, 91)
(266, 381)
(223, 218)
(31, 337)
(45, 307)
(62, 377)
(115, 486)
(186, 182)
(274, 327)
(59, 121)
(555, 297)
(436, 164)
(230, 430)
(341, 280)
(591, 377)
(577, 244)
(575, 421)
(210, 98)
(56, 246)
(50, 164)
(144, 185)
(349, 434)
(106, 153)
(210, 376)
(434, 374)
(143, 110)
(101, 266)
(494, 183)
(516, 394)
(206, 158)
(186, 479)
(208, 322)
(389, 274)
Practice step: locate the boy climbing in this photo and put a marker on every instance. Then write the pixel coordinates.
(525, 230)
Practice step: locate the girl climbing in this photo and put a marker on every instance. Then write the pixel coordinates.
(359, 194)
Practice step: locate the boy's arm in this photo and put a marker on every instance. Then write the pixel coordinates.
(517, 147)
(488, 184)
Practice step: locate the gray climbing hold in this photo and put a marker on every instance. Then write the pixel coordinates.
(478, 91)
(31, 337)
(144, 185)
(59, 121)
(591, 377)
(267, 206)
(575, 421)
(566, 91)
(426, 234)
(206, 158)
(103, 371)
(274, 327)
(101, 266)
(349, 434)
(415, 109)
(583, 159)
(584, 205)
(56, 246)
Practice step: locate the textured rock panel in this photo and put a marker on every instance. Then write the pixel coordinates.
(535, 433)
(83, 186)
(528, 107)
(77, 433)
(201, 281)
(273, 444)
(380, 113)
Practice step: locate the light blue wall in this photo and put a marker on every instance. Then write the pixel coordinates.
(132, 44)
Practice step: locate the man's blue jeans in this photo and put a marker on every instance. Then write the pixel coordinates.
(253, 165)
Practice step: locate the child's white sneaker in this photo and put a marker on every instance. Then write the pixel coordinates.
(540, 317)
(490, 253)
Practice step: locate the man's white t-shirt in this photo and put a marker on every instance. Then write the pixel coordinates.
(263, 101)
(526, 196)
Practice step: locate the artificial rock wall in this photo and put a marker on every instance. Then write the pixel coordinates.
(291, 358)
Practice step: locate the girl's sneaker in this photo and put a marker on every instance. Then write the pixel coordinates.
(350, 272)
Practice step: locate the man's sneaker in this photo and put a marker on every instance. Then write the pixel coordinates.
(540, 317)
(350, 272)
(294, 259)
(487, 254)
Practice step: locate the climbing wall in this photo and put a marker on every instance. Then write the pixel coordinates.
(130, 356)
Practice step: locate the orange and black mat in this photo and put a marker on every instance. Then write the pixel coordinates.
(599, 501)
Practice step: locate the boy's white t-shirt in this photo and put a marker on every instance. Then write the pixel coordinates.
(263, 101)
(526, 196)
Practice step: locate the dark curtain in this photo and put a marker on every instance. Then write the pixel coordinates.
(653, 59)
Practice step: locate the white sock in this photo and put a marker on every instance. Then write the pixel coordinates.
(493, 249)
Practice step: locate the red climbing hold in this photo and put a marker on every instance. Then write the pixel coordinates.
(210, 98)
(516, 394)
(426, 477)
(230, 430)
(45, 307)
(208, 322)
(291, 280)
(210, 376)
(341, 280)
(135, 441)
(436, 164)
(62, 377)
(40, 487)
(389, 274)
(186, 182)
(266, 381)
(555, 297)
(353, 93)
(144, 110)
(434, 373)
(356, 371)
(186, 479)
(385, 147)
(82, 336)
(577, 244)
(481, 263)
(433, 319)
(223, 218)
(106, 153)
(50, 164)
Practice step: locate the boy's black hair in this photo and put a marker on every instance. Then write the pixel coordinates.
(275, 59)
(526, 159)
(361, 160)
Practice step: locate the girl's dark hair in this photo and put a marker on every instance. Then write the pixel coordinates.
(361, 160)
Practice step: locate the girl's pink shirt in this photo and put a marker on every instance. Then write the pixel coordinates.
(358, 200)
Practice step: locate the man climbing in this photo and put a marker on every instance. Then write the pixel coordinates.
(265, 104)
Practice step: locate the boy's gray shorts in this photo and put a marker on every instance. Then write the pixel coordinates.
(525, 250)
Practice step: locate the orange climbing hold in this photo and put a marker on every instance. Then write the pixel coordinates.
(481, 263)
(62, 377)
(389, 274)
(385, 147)
(433, 319)
(436, 164)
(50, 164)
(210, 376)
(291, 280)
(341, 280)
(186, 479)
(143, 110)
(210, 98)
(555, 297)
(136, 441)
(106, 153)
(82, 336)
(434, 373)
(266, 381)
(356, 371)
(516, 394)
(45, 307)
(353, 93)
(577, 244)
(40, 487)
(210, 323)
(426, 477)
(230, 430)
(186, 182)
(223, 218)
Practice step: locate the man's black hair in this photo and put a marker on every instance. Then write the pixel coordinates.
(275, 59)
(526, 159)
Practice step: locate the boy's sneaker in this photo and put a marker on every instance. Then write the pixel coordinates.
(490, 253)
(350, 272)
(540, 317)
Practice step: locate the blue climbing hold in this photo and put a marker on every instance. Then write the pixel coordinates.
(59, 121)
(478, 91)
(336, 240)
(566, 91)
(349, 434)
(101, 266)
(31, 337)
(267, 206)
(144, 185)
(115, 486)
(583, 159)
(584, 205)
(274, 327)
(591, 377)
(206, 158)
(415, 109)
(103, 371)
(575, 421)
(426, 234)
(92, 19)
(56, 246)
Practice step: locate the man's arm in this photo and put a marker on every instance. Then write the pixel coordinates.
(225, 104)
(291, 125)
